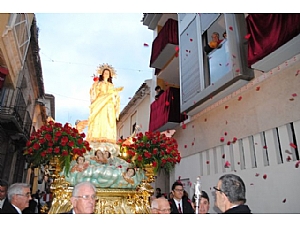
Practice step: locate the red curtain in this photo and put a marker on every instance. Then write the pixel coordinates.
(268, 32)
(168, 34)
(3, 73)
(165, 109)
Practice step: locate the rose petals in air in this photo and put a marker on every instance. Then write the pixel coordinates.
(298, 72)
(177, 48)
(238, 70)
(222, 139)
(223, 155)
(183, 126)
(231, 28)
(247, 36)
(167, 103)
(297, 164)
(207, 162)
(257, 174)
(228, 143)
(288, 158)
(257, 88)
(234, 139)
(288, 152)
(191, 40)
(265, 147)
(226, 107)
(265, 176)
(293, 145)
(284, 200)
(240, 98)
(225, 133)
(294, 95)
(238, 163)
(185, 146)
(227, 164)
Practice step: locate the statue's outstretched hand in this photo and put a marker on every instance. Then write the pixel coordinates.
(119, 89)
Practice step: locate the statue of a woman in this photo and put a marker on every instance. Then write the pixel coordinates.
(104, 109)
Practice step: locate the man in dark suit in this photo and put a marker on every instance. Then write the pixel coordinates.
(18, 195)
(3, 194)
(231, 195)
(180, 204)
(83, 199)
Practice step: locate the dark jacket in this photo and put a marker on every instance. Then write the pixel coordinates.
(187, 207)
(7, 208)
(241, 209)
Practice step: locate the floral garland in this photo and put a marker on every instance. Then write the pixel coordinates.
(55, 140)
(151, 148)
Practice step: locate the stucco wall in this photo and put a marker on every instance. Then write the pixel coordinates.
(264, 104)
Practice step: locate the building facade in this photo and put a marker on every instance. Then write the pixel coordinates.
(239, 102)
(22, 109)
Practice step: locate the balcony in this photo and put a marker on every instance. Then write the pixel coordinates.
(164, 45)
(165, 112)
(273, 39)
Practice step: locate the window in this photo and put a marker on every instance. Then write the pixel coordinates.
(133, 122)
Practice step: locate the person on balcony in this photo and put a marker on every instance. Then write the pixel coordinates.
(159, 91)
(214, 43)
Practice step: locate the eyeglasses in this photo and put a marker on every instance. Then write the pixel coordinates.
(219, 190)
(178, 190)
(86, 197)
(26, 195)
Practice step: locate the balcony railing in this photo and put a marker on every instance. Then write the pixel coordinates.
(165, 112)
(164, 45)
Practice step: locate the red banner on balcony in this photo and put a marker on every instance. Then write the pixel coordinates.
(267, 32)
(3, 73)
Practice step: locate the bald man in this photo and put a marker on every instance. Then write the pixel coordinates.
(160, 206)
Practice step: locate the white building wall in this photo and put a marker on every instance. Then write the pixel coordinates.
(265, 106)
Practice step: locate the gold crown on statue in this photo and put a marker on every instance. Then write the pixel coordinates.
(107, 66)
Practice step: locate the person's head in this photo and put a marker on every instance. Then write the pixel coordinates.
(230, 191)
(80, 159)
(215, 36)
(19, 195)
(160, 206)
(106, 75)
(84, 198)
(177, 190)
(171, 195)
(130, 172)
(157, 88)
(98, 153)
(3, 189)
(158, 191)
(204, 203)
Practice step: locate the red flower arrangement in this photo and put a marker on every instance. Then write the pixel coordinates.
(151, 148)
(55, 140)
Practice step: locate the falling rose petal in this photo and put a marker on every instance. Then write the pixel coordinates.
(240, 98)
(231, 28)
(222, 139)
(233, 56)
(238, 70)
(129, 97)
(191, 40)
(294, 95)
(298, 72)
(284, 200)
(226, 122)
(220, 64)
(177, 48)
(247, 36)
(288, 158)
(187, 51)
(185, 146)
(234, 139)
(227, 164)
(205, 119)
(251, 184)
(176, 55)
(228, 143)
(207, 162)
(193, 126)
(192, 143)
(265, 176)
(288, 152)
(183, 126)
(293, 145)
(226, 107)
(257, 88)
(234, 170)
(291, 99)
(227, 64)
(223, 155)
(257, 174)
(297, 164)
(167, 103)
(146, 45)
(265, 147)
(238, 163)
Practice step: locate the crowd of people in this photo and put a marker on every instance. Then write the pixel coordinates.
(230, 198)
